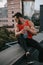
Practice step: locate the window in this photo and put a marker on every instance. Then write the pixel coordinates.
(9, 26)
(28, 8)
(12, 12)
(3, 10)
(3, 20)
(12, 20)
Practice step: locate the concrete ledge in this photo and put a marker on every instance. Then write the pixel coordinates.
(38, 37)
(11, 55)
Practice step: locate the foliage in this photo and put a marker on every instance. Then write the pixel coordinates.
(36, 19)
(6, 36)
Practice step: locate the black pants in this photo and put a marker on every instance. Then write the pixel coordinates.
(25, 43)
(22, 42)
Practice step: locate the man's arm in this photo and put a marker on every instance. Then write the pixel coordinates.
(31, 28)
(31, 23)
(17, 32)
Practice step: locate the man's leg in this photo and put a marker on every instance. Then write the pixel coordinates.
(23, 44)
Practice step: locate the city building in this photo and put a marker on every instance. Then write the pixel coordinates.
(3, 16)
(13, 6)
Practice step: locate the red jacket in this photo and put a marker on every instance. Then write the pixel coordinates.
(21, 26)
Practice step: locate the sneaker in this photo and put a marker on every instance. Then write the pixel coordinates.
(27, 53)
(30, 63)
(28, 59)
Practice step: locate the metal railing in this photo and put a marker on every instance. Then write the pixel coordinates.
(11, 43)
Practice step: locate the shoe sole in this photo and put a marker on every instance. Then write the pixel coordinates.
(30, 63)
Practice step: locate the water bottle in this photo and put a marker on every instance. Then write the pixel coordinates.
(25, 35)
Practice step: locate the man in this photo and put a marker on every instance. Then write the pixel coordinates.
(24, 30)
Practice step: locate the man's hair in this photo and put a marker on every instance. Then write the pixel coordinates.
(18, 14)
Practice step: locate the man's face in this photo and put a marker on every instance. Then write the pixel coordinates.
(21, 19)
(16, 19)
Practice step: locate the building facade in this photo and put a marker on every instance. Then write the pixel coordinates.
(13, 6)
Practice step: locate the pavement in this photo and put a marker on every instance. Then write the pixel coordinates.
(14, 52)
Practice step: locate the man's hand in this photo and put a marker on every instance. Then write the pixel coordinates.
(22, 31)
(31, 29)
(26, 28)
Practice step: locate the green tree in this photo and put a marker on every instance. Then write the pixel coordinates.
(6, 36)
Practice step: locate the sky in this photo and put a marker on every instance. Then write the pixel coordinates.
(2, 3)
(37, 3)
